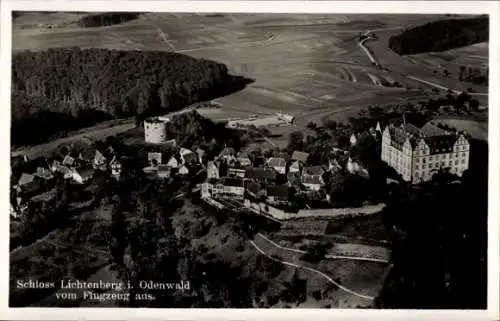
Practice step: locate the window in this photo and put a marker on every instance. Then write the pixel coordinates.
(456, 162)
(463, 161)
(417, 167)
(430, 165)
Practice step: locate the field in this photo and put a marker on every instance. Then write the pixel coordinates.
(310, 66)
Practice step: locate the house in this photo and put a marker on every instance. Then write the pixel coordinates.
(87, 155)
(333, 165)
(314, 170)
(68, 161)
(355, 167)
(43, 173)
(65, 171)
(260, 174)
(278, 164)
(312, 182)
(188, 156)
(236, 172)
(99, 160)
(201, 155)
(312, 177)
(116, 168)
(280, 193)
(243, 159)
(82, 174)
(183, 170)
(29, 184)
(212, 170)
(278, 154)
(163, 171)
(155, 158)
(293, 178)
(300, 156)
(231, 188)
(173, 162)
(228, 154)
(207, 187)
(295, 167)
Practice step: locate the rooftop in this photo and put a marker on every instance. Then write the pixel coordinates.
(276, 162)
(257, 172)
(314, 171)
(300, 156)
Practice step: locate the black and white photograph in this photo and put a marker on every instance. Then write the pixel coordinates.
(248, 160)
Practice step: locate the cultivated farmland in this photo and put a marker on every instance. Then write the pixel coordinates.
(310, 66)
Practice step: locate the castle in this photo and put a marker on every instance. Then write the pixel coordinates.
(418, 153)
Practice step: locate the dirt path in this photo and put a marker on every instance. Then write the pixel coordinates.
(329, 279)
(328, 256)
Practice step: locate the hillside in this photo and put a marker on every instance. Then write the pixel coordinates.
(68, 88)
(440, 36)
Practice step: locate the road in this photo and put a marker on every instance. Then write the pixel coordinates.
(329, 279)
(42, 149)
(443, 87)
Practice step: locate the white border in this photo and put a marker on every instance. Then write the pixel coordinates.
(463, 7)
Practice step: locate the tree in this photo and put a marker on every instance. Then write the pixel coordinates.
(296, 141)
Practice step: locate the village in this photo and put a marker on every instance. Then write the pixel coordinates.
(278, 184)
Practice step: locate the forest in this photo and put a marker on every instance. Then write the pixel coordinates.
(107, 19)
(441, 35)
(69, 88)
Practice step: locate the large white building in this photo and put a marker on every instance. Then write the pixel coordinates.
(155, 130)
(418, 153)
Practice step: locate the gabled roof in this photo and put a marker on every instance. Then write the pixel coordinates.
(25, 179)
(410, 129)
(85, 171)
(431, 130)
(87, 154)
(279, 190)
(185, 151)
(276, 162)
(278, 154)
(189, 157)
(242, 154)
(300, 156)
(43, 172)
(312, 179)
(296, 164)
(314, 171)
(257, 173)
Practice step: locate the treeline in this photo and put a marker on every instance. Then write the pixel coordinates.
(107, 19)
(441, 35)
(107, 83)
